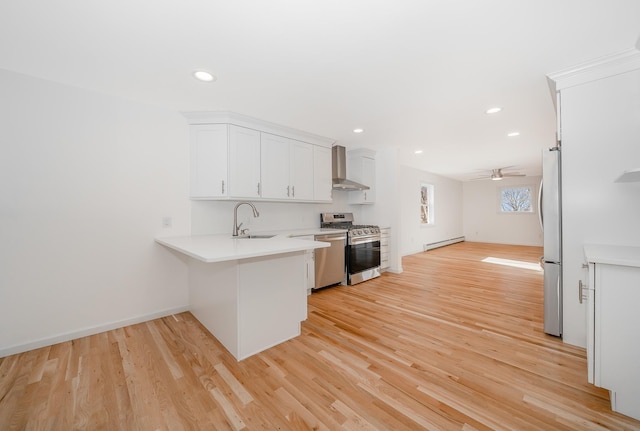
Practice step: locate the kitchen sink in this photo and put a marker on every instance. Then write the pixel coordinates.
(255, 237)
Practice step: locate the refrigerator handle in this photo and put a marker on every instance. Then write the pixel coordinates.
(580, 287)
(540, 206)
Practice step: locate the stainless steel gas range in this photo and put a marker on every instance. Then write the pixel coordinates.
(363, 246)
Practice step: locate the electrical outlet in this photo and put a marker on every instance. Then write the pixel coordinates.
(167, 222)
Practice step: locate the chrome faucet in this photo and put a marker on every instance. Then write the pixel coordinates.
(236, 226)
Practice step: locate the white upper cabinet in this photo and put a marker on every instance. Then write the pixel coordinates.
(322, 181)
(225, 162)
(301, 170)
(362, 169)
(208, 146)
(244, 162)
(275, 167)
(238, 157)
(287, 168)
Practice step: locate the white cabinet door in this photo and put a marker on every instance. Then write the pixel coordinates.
(310, 260)
(369, 179)
(275, 166)
(617, 352)
(362, 169)
(244, 162)
(385, 237)
(287, 168)
(322, 181)
(208, 154)
(301, 171)
(310, 267)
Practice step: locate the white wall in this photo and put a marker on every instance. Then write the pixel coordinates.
(85, 180)
(447, 209)
(600, 140)
(484, 223)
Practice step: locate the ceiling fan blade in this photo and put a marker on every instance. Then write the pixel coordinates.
(497, 174)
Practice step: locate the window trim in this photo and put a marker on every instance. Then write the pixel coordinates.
(532, 197)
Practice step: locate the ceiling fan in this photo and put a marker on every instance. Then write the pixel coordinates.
(497, 174)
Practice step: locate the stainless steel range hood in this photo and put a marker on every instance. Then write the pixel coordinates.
(339, 167)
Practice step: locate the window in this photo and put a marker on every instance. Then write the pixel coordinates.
(516, 199)
(426, 204)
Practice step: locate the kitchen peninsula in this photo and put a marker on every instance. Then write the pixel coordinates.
(250, 293)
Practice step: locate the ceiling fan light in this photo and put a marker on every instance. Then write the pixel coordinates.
(496, 175)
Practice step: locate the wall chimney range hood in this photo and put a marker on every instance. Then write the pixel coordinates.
(339, 167)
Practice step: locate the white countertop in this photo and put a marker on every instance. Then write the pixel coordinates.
(302, 232)
(223, 247)
(612, 254)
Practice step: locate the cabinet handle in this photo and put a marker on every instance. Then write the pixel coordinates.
(293, 191)
(365, 196)
(580, 287)
(258, 189)
(222, 186)
(288, 191)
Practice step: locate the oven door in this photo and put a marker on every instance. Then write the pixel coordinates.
(363, 259)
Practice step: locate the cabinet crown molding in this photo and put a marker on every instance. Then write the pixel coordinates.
(228, 117)
(599, 68)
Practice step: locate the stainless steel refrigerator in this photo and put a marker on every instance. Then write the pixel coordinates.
(551, 221)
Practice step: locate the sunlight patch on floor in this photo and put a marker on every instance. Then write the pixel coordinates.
(514, 263)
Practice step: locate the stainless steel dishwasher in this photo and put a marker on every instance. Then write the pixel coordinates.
(330, 261)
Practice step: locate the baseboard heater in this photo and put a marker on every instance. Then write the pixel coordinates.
(433, 245)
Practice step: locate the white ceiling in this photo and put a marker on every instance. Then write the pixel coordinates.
(416, 74)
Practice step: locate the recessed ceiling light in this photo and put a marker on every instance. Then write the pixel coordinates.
(493, 110)
(358, 130)
(203, 75)
(418, 152)
(512, 134)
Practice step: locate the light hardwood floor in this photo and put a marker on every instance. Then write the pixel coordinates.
(451, 343)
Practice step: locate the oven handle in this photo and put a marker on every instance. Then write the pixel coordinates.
(330, 237)
(356, 241)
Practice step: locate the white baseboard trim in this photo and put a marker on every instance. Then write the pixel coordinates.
(438, 244)
(67, 336)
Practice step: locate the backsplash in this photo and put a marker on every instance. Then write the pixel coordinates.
(216, 217)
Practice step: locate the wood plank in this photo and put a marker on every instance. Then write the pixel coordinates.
(451, 343)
